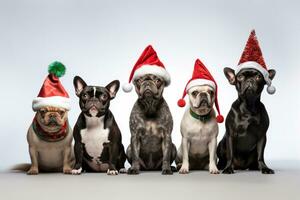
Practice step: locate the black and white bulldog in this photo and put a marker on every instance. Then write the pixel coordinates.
(98, 141)
(199, 125)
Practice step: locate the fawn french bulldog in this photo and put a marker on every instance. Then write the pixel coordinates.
(50, 135)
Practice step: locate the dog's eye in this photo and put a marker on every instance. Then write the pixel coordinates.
(62, 113)
(42, 113)
(157, 81)
(104, 97)
(240, 77)
(195, 93)
(258, 77)
(84, 96)
(211, 93)
(139, 81)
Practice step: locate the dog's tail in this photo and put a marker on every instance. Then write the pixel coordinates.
(21, 167)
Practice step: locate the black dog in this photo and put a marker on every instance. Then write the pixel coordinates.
(98, 142)
(151, 125)
(247, 123)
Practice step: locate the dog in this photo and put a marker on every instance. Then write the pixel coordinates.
(247, 122)
(151, 125)
(199, 131)
(98, 141)
(50, 141)
(199, 128)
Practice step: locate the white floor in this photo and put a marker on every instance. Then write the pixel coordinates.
(242, 185)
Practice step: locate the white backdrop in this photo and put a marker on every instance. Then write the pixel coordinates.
(101, 41)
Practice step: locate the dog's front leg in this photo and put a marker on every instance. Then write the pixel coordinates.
(229, 154)
(113, 156)
(34, 169)
(166, 147)
(185, 156)
(135, 153)
(261, 161)
(78, 150)
(212, 147)
(67, 160)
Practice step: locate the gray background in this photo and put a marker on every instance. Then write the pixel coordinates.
(101, 41)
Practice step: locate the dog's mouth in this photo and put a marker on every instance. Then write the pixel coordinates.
(53, 124)
(250, 90)
(203, 104)
(93, 109)
(147, 93)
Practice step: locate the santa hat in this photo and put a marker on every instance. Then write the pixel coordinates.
(148, 63)
(252, 58)
(52, 92)
(201, 76)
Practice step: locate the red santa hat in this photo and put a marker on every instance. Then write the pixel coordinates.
(201, 76)
(52, 92)
(148, 63)
(252, 58)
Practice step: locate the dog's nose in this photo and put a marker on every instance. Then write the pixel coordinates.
(203, 95)
(250, 82)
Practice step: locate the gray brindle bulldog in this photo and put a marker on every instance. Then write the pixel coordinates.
(151, 122)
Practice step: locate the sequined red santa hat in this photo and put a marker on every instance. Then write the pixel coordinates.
(52, 93)
(148, 63)
(252, 58)
(201, 76)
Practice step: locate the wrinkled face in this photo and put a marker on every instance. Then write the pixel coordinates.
(51, 119)
(248, 82)
(202, 99)
(149, 86)
(94, 100)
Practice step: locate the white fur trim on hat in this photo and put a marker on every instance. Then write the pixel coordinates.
(254, 65)
(153, 69)
(55, 101)
(198, 82)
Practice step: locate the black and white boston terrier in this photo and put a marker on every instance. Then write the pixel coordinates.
(98, 141)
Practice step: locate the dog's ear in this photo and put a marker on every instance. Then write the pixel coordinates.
(79, 84)
(272, 73)
(113, 88)
(229, 73)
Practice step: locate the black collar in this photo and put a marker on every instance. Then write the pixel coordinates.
(202, 118)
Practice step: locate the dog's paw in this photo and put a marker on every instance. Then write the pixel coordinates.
(184, 170)
(112, 172)
(133, 171)
(67, 170)
(167, 171)
(228, 170)
(123, 171)
(76, 171)
(213, 169)
(267, 171)
(33, 171)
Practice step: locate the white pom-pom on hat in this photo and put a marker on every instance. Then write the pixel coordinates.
(271, 89)
(127, 87)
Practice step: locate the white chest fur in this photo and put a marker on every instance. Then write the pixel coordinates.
(93, 136)
(198, 134)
